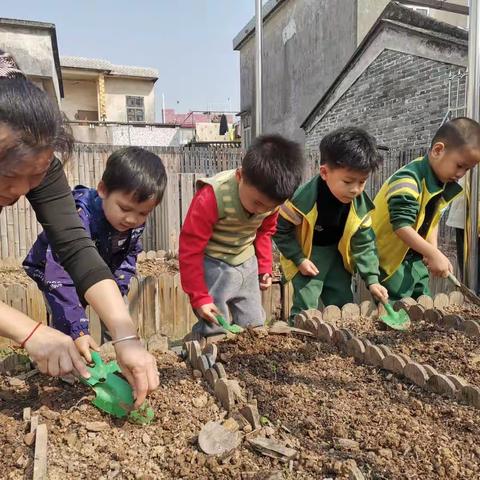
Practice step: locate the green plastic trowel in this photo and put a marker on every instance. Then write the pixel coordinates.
(396, 320)
(231, 328)
(114, 395)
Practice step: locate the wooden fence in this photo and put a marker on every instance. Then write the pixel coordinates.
(157, 304)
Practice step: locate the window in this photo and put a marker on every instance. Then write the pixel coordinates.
(247, 137)
(135, 109)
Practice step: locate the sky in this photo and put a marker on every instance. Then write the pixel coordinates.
(188, 41)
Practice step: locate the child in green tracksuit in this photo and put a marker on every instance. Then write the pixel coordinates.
(324, 232)
(410, 204)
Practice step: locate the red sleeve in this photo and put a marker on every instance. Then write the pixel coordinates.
(194, 236)
(263, 244)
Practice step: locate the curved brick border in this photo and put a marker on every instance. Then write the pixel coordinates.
(380, 356)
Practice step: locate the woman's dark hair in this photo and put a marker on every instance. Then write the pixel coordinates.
(135, 170)
(33, 117)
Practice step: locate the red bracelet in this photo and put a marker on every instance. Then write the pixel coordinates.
(30, 335)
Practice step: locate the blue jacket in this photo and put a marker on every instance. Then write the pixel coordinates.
(42, 265)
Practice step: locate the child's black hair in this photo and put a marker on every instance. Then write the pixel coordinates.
(457, 133)
(135, 170)
(274, 166)
(350, 147)
(32, 116)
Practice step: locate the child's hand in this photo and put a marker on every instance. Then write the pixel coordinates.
(379, 292)
(84, 344)
(265, 281)
(208, 312)
(308, 268)
(438, 264)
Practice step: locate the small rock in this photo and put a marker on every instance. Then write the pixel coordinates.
(146, 438)
(200, 402)
(247, 428)
(21, 461)
(16, 382)
(346, 444)
(269, 431)
(96, 426)
(385, 453)
(197, 374)
(71, 439)
(48, 414)
(29, 439)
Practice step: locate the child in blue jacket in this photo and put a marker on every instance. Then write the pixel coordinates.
(114, 215)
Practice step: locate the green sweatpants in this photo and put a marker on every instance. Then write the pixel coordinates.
(410, 280)
(332, 285)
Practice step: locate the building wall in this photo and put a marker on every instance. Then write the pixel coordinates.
(116, 91)
(406, 107)
(79, 95)
(306, 44)
(32, 49)
(131, 135)
(369, 11)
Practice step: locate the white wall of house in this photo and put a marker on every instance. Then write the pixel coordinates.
(79, 95)
(116, 91)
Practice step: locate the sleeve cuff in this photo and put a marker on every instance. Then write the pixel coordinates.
(371, 280)
(203, 300)
(396, 225)
(298, 259)
(92, 278)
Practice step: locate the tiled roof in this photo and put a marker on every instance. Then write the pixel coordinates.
(105, 65)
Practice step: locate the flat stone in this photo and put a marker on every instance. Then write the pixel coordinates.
(458, 381)
(386, 351)
(374, 356)
(238, 394)
(325, 332)
(416, 312)
(309, 313)
(317, 315)
(215, 439)
(197, 374)
(394, 363)
(299, 320)
(441, 300)
(416, 373)
(442, 385)
(271, 448)
(355, 348)
(194, 354)
(203, 364)
(219, 368)
(470, 395)
(340, 337)
(456, 298)
(279, 328)
(241, 420)
(250, 412)
(332, 314)
(211, 351)
(27, 414)
(426, 301)
(211, 376)
(430, 370)
(451, 321)
(368, 309)
(432, 315)
(350, 312)
(471, 328)
(405, 357)
(311, 326)
(224, 394)
(365, 341)
(96, 426)
(346, 444)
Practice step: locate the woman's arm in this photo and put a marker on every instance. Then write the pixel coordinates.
(55, 208)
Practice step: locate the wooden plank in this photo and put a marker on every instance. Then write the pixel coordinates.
(40, 458)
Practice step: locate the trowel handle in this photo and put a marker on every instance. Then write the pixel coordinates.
(96, 358)
(388, 307)
(454, 280)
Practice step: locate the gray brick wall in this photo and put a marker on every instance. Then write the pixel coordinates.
(401, 99)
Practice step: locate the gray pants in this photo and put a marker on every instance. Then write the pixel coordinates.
(235, 292)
